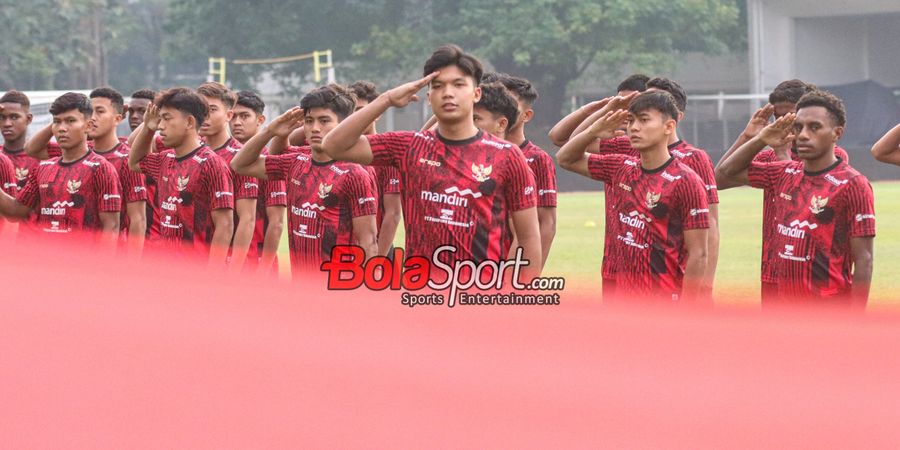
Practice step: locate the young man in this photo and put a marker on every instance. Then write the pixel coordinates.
(824, 212)
(271, 203)
(195, 192)
(15, 116)
(137, 106)
(539, 161)
(783, 100)
(460, 185)
(661, 214)
(332, 203)
(78, 191)
(246, 189)
(496, 111)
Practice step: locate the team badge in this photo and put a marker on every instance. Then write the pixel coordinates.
(183, 182)
(652, 200)
(817, 204)
(324, 189)
(482, 173)
(21, 173)
(73, 186)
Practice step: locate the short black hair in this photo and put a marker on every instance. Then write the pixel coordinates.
(364, 90)
(635, 82)
(184, 100)
(497, 100)
(452, 55)
(521, 87)
(113, 95)
(790, 91)
(70, 101)
(252, 100)
(335, 97)
(146, 94)
(15, 96)
(671, 87)
(216, 90)
(662, 101)
(492, 77)
(827, 100)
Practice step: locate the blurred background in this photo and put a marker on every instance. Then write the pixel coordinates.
(728, 54)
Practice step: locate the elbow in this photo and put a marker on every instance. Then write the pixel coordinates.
(565, 162)
(880, 155)
(556, 137)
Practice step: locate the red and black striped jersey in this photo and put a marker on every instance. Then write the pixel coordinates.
(544, 171)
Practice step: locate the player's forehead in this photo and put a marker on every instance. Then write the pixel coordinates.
(241, 109)
(70, 114)
(320, 113)
(167, 111)
(10, 107)
(101, 101)
(139, 103)
(813, 114)
(214, 101)
(452, 74)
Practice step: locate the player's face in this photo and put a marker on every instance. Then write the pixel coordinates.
(452, 95)
(174, 126)
(70, 129)
(136, 109)
(653, 89)
(14, 122)
(525, 113)
(782, 108)
(649, 128)
(244, 123)
(489, 122)
(104, 119)
(217, 120)
(317, 123)
(816, 132)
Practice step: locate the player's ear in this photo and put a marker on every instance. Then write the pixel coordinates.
(529, 114)
(260, 119)
(229, 115)
(30, 118)
(503, 124)
(680, 116)
(838, 133)
(477, 94)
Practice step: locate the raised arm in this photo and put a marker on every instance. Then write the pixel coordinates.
(248, 161)
(757, 122)
(346, 141)
(36, 147)
(887, 149)
(572, 156)
(143, 139)
(732, 171)
(565, 128)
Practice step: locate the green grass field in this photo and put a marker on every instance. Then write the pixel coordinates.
(578, 247)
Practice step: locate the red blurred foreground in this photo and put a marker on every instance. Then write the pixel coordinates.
(159, 355)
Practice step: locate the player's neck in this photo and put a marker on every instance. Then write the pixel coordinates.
(821, 163)
(457, 131)
(673, 138)
(14, 144)
(217, 140)
(106, 142)
(189, 144)
(516, 136)
(654, 158)
(320, 156)
(74, 153)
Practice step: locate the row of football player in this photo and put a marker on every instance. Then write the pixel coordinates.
(470, 189)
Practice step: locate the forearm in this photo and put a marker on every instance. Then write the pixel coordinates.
(741, 140)
(694, 275)
(570, 154)
(11, 209)
(887, 149)
(221, 239)
(862, 281)
(565, 128)
(547, 221)
(272, 238)
(141, 148)
(729, 169)
(343, 137)
(712, 256)
(36, 147)
(250, 152)
(277, 145)
(243, 234)
(531, 252)
(386, 235)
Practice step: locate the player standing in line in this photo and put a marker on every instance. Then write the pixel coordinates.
(460, 185)
(15, 116)
(824, 210)
(662, 214)
(195, 188)
(782, 100)
(332, 202)
(78, 191)
(272, 201)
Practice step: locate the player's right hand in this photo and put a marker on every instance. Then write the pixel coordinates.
(605, 127)
(289, 121)
(151, 118)
(402, 95)
(780, 132)
(759, 121)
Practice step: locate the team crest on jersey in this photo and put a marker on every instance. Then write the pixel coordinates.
(324, 190)
(482, 173)
(817, 204)
(21, 173)
(183, 182)
(73, 186)
(652, 199)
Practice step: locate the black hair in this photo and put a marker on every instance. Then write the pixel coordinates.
(671, 87)
(522, 88)
(497, 100)
(662, 101)
(252, 100)
(827, 100)
(184, 100)
(337, 98)
(146, 94)
(213, 89)
(113, 95)
(636, 82)
(452, 55)
(364, 90)
(14, 96)
(790, 91)
(70, 101)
